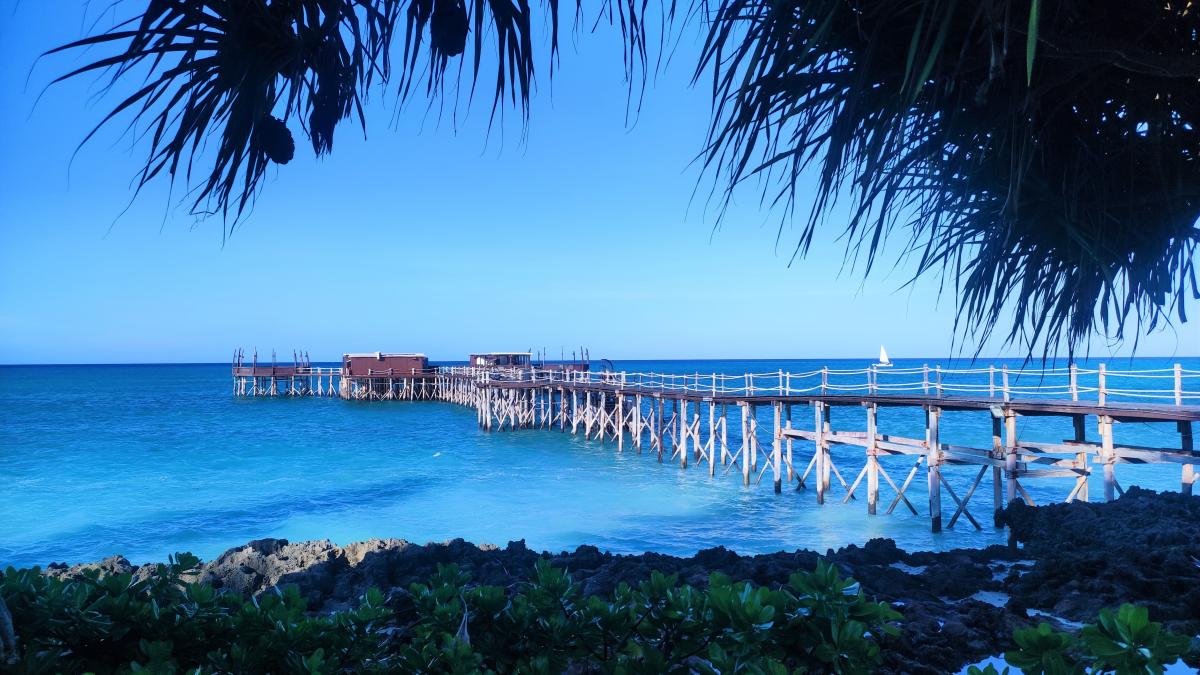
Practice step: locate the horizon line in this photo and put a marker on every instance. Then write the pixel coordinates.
(638, 360)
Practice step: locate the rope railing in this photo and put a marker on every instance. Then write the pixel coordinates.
(1097, 384)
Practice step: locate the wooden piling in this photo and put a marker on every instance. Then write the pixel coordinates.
(873, 461)
(934, 468)
(1187, 444)
(1108, 456)
(819, 446)
(684, 429)
(1078, 424)
(997, 473)
(745, 443)
(777, 448)
(1010, 455)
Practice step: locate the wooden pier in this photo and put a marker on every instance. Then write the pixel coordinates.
(685, 419)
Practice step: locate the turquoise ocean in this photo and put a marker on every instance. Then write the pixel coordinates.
(147, 460)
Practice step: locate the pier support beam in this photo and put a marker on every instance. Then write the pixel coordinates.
(1078, 424)
(1108, 456)
(684, 428)
(745, 442)
(658, 429)
(873, 463)
(1010, 455)
(821, 450)
(932, 419)
(997, 472)
(1187, 444)
(777, 448)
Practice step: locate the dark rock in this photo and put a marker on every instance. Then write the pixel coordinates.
(116, 564)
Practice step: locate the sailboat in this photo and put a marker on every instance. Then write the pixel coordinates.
(884, 362)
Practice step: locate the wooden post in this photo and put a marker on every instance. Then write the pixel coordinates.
(487, 408)
(925, 379)
(1178, 384)
(819, 449)
(754, 437)
(997, 473)
(745, 443)
(1101, 393)
(827, 466)
(574, 411)
(621, 419)
(873, 462)
(1010, 456)
(1109, 457)
(712, 438)
(724, 432)
(777, 447)
(588, 416)
(991, 381)
(791, 470)
(676, 431)
(1004, 375)
(658, 429)
(824, 379)
(935, 469)
(1081, 457)
(683, 432)
(1074, 382)
(1187, 445)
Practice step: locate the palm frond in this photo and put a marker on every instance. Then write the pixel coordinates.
(1063, 191)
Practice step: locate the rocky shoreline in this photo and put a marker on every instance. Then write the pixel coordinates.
(1064, 564)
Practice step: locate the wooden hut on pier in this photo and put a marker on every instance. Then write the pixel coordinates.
(523, 361)
(384, 376)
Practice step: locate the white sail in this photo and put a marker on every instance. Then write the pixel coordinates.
(883, 357)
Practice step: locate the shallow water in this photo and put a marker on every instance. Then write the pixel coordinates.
(149, 460)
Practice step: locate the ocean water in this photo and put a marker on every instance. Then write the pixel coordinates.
(146, 460)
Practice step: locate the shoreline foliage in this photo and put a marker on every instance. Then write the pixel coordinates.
(818, 622)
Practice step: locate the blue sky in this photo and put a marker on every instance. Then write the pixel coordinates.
(586, 231)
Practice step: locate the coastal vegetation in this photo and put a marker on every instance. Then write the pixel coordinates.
(166, 622)
(1039, 157)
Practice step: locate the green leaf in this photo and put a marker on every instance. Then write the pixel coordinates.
(1031, 39)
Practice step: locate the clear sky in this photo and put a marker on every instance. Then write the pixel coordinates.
(428, 236)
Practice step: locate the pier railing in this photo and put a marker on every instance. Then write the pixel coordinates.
(1175, 384)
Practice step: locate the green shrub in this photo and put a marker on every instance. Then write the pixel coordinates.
(1124, 642)
(818, 622)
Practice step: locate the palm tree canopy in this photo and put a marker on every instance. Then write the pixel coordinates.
(1039, 156)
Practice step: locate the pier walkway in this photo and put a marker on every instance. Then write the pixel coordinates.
(686, 419)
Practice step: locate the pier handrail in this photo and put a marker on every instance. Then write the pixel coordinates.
(1002, 383)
